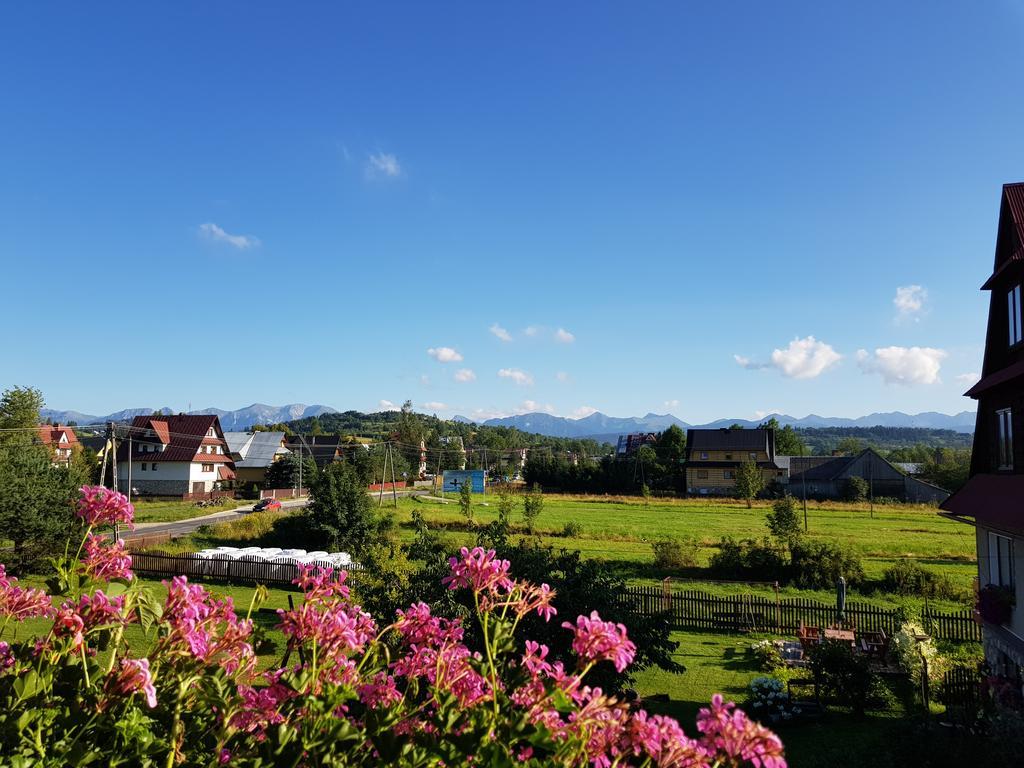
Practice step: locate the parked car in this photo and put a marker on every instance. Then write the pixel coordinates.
(267, 505)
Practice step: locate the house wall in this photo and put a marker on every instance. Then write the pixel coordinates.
(197, 475)
(993, 643)
(717, 483)
(170, 478)
(250, 474)
(736, 456)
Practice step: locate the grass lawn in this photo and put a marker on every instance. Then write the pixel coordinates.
(717, 663)
(172, 511)
(621, 531)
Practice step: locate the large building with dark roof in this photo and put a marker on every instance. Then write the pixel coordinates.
(713, 457)
(993, 498)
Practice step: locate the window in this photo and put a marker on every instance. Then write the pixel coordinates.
(728, 457)
(753, 456)
(209, 432)
(207, 467)
(729, 474)
(143, 466)
(1000, 560)
(1005, 432)
(703, 455)
(152, 467)
(1013, 314)
(702, 474)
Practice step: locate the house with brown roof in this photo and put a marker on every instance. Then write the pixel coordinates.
(61, 441)
(713, 457)
(174, 455)
(993, 498)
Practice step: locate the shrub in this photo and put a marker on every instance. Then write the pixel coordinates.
(911, 646)
(672, 554)
(769, 700)
(411, 693)
(843, 675)
(854, 489)
(747, 559)
(572, 529)
(466, 502)
(818, 565)
(767, 656)
(906, 577)
(533, 505)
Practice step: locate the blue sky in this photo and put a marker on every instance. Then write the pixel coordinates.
(214, 204)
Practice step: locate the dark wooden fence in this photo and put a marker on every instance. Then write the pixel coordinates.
(243, 570)
(692, 609)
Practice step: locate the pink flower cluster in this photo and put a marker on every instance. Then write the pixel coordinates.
(132, 677)
(105, 562)
(103, 506)
(729, 731)
(19, 603)
(480, 571)
(206, 628)
(261, 706)
(93, 611)
(598, 640)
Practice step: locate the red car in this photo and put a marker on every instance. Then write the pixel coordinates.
(267, 505)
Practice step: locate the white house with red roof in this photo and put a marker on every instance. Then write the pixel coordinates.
(61, 440)
(174, 455)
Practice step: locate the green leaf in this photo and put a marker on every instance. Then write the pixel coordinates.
(27, 685)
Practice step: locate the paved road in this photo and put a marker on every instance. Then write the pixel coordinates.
(185, 527)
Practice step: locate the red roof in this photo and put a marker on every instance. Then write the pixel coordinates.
(225, 473)
(1002, 376)
(995, 501)
(181, 434)
(50, 435)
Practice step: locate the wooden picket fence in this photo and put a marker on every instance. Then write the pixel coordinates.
(696, 610)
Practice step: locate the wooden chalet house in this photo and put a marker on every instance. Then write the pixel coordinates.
(175, 456)
(61, 441)
(993, 498)
(714, 455)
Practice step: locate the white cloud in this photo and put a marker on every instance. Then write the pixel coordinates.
(532, 406)
(531, 330)
(434, 406)
(464, 375)
(563, 336)
(215, 234)
(969, 379)
(522, 378)
(500, 332)
(444, 355)
(909, 301)
(562, 376)
(387, 405)
(805, 358)
(903, 365)
(583, 411)
(671, 403)
(382, 164)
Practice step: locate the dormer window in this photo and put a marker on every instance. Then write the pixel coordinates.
(1013, 315)
(1005, 433)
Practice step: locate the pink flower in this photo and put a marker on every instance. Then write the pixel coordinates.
(598, 640)
(133, 677)
(69, 624)
(318, 584)
(6, 657)
(97, 609)
(480, 571)
(105, 562)
(19, 603)
(206, 628)
(225, 757)
(261, 707)
(102, 506)
(379, 692)
(418, 627)
(727, 730)
(663, 740)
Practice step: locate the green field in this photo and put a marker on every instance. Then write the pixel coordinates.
(621, 531)
(172, 511)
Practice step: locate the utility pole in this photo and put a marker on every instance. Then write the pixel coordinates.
(383, 474)
(803, 478)
(113, 464)
(129, 465)
(871, 484)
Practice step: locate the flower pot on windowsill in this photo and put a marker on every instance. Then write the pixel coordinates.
(995, 604)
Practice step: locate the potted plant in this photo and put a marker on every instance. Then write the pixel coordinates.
(995, 603)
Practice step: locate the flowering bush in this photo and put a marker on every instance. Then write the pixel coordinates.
(410, 693)
(769, 699)
(767, 655)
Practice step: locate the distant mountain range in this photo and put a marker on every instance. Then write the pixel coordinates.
(607, 428)
(230, 421)
(597, 426)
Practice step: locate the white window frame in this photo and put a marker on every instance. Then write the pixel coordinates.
(1000, 561)
(1004, 435)
(703, 455)
(1013, 315)
(143, 467)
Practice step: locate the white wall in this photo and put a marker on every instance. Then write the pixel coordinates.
(196, 475)
(1017, 621)
(168, 470)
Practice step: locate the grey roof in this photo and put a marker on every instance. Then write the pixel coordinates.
(731, 440)
(255, 449)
